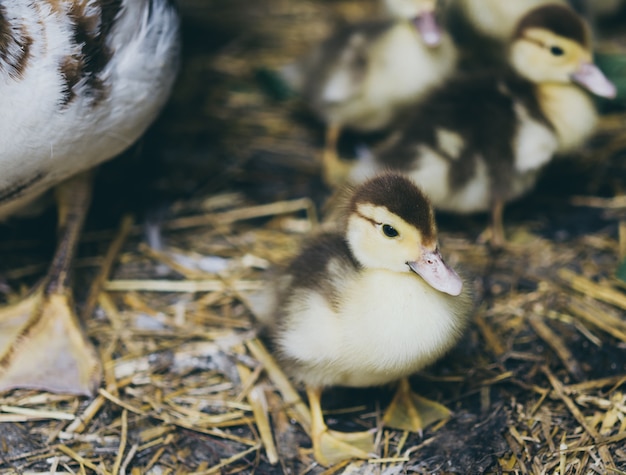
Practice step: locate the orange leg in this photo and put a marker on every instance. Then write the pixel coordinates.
(334, 170)
(497, 226)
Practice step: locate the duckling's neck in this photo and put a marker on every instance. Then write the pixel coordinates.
(571, 112)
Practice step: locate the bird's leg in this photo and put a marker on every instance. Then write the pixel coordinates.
(497, 226)
(334, 170)
(411, 412)
(329, 446)
(42, 345)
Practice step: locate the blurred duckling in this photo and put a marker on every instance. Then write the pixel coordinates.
(363, 74)
(482, 28)
(481, 139)
(366, 305)
(497, 19)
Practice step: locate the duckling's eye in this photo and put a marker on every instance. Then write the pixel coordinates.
(557, 51)
(390, 231)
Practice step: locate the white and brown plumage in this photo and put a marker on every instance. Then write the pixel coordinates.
(481, 139)
(367, 305)
(362, 75)
(80, 81)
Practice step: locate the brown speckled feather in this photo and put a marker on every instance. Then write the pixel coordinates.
(90, 31)
(14, 47)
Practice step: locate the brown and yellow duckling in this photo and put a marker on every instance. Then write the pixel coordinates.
(481, 140)
(367, 305)
(363, 74)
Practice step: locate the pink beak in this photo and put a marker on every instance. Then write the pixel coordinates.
(428, 28)
(590, 77)
(432, 268)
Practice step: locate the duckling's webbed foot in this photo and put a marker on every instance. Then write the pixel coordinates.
(331, 447)
(335, 171)
(411, 412)
(41, 343)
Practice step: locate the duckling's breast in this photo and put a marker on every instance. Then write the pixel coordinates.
(571, 112)
(386, 325)
(397, 324)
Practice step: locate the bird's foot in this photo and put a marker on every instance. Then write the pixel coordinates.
(331, 447)
(411, 412)
(494, 238)
(43, 347)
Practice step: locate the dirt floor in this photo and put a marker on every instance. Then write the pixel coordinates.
(224, 188)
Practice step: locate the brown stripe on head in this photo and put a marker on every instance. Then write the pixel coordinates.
(559, 19)
(14, 47)
(92, 23)
(400, 196)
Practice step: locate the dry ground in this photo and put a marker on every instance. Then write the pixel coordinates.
(537, 385)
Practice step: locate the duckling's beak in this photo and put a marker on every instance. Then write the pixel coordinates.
(432, 268)
(429, 29)
(590, 77)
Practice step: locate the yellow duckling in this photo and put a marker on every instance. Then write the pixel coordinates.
(367, 305)
(481, 139)
(362, 75)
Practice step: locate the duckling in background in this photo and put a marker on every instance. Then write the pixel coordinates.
(366, 305)
(494, 18)
(81, 80)
(362, 75)
(481, 139)
(482, 28)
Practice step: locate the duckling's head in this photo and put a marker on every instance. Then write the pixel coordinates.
(391, 226)
(421, 13)
(552, 44)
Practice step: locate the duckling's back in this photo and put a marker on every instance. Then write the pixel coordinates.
(473, 138)
(362, 74)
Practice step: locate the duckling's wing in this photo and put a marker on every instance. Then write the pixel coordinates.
(334, 70)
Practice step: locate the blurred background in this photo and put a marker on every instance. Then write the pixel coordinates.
(233, 128)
